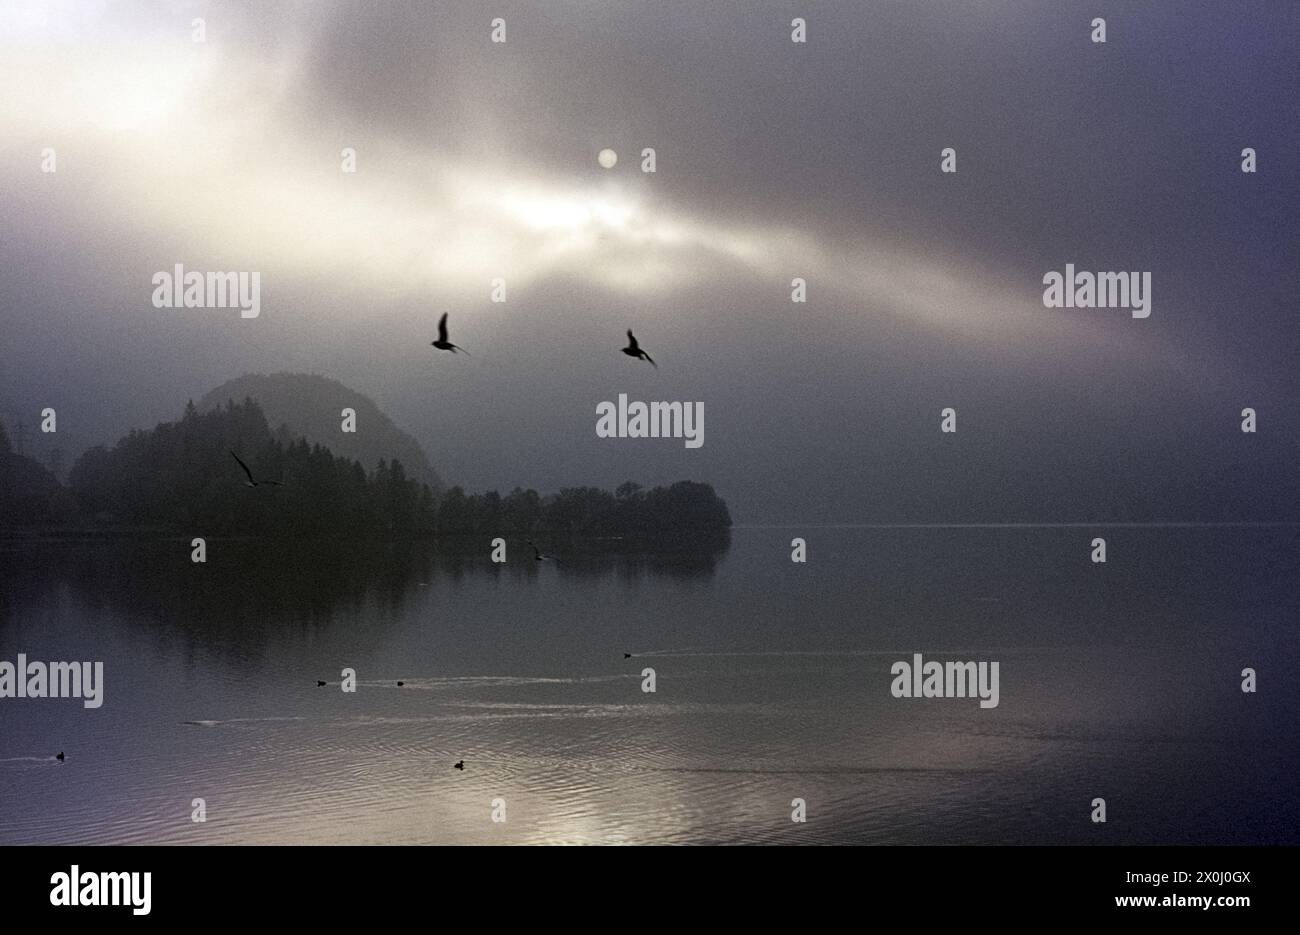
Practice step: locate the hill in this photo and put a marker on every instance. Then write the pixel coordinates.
(29, 494)
(186, 475)
(308, 407)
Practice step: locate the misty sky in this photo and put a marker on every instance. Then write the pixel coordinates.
(775, 160)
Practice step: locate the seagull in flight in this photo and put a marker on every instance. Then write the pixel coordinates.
(537, 555)
(634, 350)
(254, 483)
(442, 343)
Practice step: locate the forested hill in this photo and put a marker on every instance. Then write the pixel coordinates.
(182, 476)
(309, 406)
(29, 494)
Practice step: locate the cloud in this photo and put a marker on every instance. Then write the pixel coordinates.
(202, 146)
(477, 162)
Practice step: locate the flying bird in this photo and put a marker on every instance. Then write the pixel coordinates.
(254, 483)
(459, 765)
(400, 684)
(442, 343)
(537, 555)
(627, 655)
(60, 756)
(320, 684)
(634, 350)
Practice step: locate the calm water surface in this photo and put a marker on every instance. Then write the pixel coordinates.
(1120, 681)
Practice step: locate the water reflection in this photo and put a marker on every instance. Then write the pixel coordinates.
(772, 683)
(229, 599)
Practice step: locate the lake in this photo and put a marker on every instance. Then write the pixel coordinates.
(1120, 681)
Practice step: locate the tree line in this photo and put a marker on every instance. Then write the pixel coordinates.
(180, 475)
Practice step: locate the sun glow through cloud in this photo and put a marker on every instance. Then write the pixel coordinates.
(198, 145)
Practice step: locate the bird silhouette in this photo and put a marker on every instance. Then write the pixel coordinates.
(537, 555)
(254, 483)
(460, 764)
(400, 684)
(627, 655)
(442, 343)
(634, 350)
(320, 684)
(60, 756)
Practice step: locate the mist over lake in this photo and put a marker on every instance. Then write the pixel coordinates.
(772, 684)
(356, 485)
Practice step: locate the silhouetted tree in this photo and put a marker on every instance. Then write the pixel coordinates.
(180, 475)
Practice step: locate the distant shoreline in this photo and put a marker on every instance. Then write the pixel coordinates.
(35, 534)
